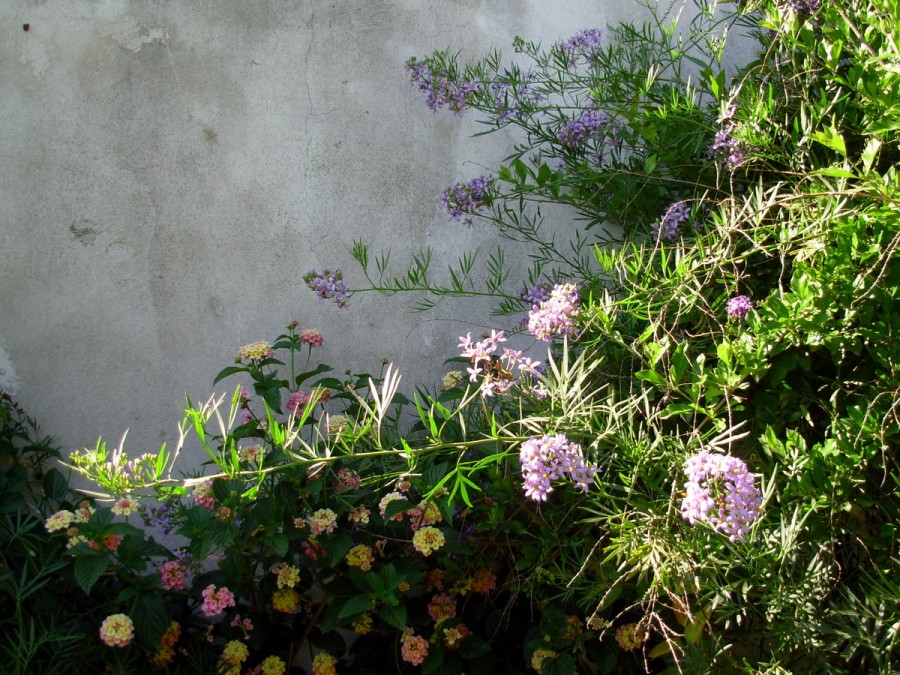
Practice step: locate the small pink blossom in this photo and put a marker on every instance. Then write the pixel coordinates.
(312, 337)
(203, 495)
(216, 600)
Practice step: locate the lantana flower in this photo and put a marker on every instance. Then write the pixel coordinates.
(323, 520)
(235, 653)
(414, 649)
(59, 521)
(272, 665)
(256, 351)
(285, 600)
(125, 507)
(288, 575)
(441, 608)
(324, 664)
(361, 556)
(426, 540)
(216, 600)
(117, 630)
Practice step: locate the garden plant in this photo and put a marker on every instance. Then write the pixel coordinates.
(675, 451)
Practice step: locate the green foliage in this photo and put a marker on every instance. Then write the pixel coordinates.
(734, 242)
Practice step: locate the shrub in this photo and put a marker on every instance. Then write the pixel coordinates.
(700, 475)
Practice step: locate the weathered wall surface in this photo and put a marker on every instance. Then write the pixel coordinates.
(172, 168)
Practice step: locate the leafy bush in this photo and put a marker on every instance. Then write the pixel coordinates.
(700, 476)
(43, 624)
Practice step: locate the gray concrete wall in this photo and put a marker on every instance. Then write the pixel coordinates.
(172, 168)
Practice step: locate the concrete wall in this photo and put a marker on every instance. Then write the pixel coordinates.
(172, 168)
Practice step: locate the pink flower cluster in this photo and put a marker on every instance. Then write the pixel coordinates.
(216, 600)
(298, 401)
(203, 495)
(552, 458)
(414, 649)
(721, 491)
(174, 573)
(557, 315)
(497, 372)
(312, 337)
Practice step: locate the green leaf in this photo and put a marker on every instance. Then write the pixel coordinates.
(433, 660)
(55, 485)
(652, 377)
(694, 630)
(356, 605)
(394, 615)
(230, 370)
(674, 409)
(544, 174)
(101, 518)
(88, 569)
(321, 368)
(830, 138)
(150, 619)
(561, 664)
(279, 544)
(338, 547)
(472, 647)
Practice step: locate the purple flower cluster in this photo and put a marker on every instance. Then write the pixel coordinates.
(497, 372)
(591, 124)
(738, 306)
(536, 294)
(464, 199)
(552, 458)
(805, 7)
(557, 315)
(587, 43)
(161, 517)
(720, 491)
(512, 101)
(328, 285)
(670, 225)
(439, 88)
(725, 148)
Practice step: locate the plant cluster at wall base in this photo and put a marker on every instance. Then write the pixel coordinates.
(675, 452)
(46, 621)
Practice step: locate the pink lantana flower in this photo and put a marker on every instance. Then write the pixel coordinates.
(216, 600)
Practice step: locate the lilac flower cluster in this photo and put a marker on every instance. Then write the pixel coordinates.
(587, 43)
(328, 285)
(590, 124)
(464, 199)
(805, 7)
(557, 315)
(497, 372)
(671, 224)
(552, 458)
(738, 306)
(536, 294)
(725, 148)
(721, 491)
(161, 517)
(512, 101)
(439, 88)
